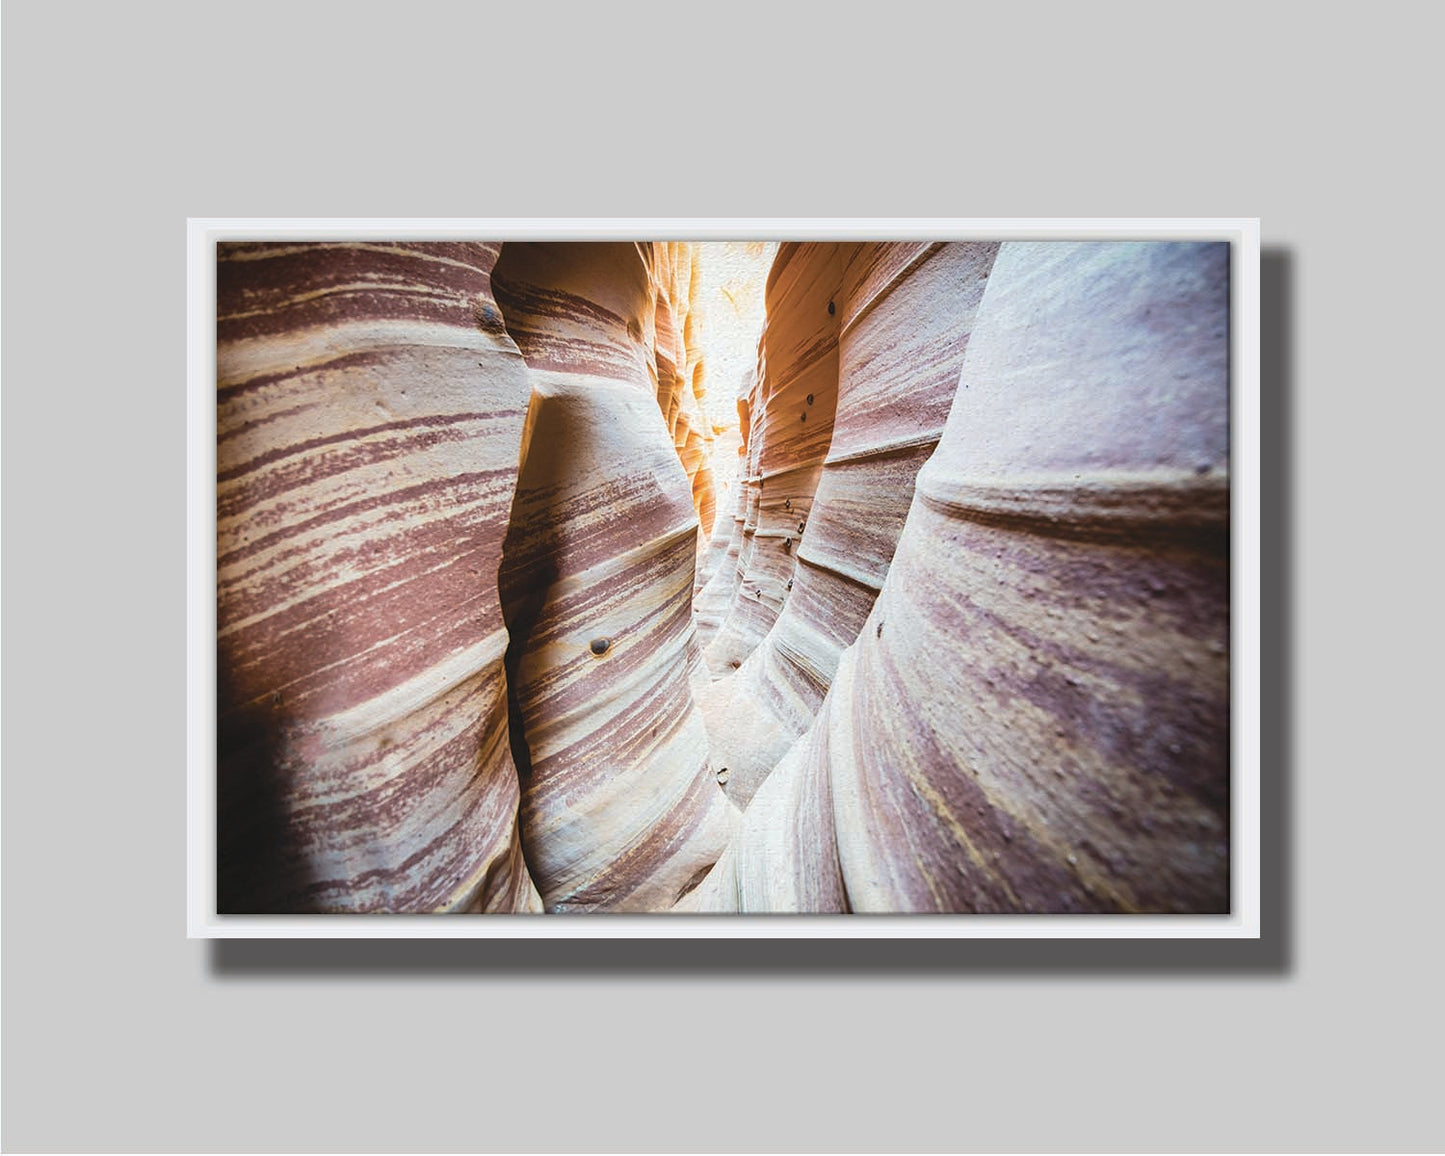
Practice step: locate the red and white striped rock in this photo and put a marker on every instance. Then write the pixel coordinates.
(788, 423)
(905, 313)
(620, 809)
(1036, 714)
(369, 409)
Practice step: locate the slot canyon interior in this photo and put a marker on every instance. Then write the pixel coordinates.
(723, 577)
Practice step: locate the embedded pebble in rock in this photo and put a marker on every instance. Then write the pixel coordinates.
(797, 356)
(620, 809)
(1043, 725)
(904, 314)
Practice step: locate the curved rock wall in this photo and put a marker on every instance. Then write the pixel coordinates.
(369, 407)
(789, 423)
(732, 281)
(905, 311)
(620, 810)
(676, 339)
(1035, 717)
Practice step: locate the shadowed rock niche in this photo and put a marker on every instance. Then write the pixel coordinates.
(534, 595)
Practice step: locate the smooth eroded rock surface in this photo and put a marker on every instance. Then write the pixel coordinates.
(620, 809)
(904, 312)
(1035, 715)
(369, 409)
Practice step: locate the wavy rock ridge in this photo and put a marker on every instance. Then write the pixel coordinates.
(1035, 716)
(889, 324)
(620, 810)
(369, 405)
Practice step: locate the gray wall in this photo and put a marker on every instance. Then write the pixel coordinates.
(121, 120)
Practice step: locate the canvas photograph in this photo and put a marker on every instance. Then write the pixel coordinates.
(722, 578)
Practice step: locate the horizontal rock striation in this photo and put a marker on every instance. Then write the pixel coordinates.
(1035, 717)
(905, 312)
(620, 810)
(369, 408)
(677, 344)
(788, 420)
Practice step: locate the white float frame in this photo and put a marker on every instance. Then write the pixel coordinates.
(1245, 861)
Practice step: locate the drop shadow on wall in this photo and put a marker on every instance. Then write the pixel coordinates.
(1272, 954)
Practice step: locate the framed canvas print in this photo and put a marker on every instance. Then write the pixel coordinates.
(712, 578)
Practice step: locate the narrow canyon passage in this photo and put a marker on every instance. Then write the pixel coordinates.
(725, 577)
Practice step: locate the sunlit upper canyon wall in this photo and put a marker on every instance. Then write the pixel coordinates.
(723, 577)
